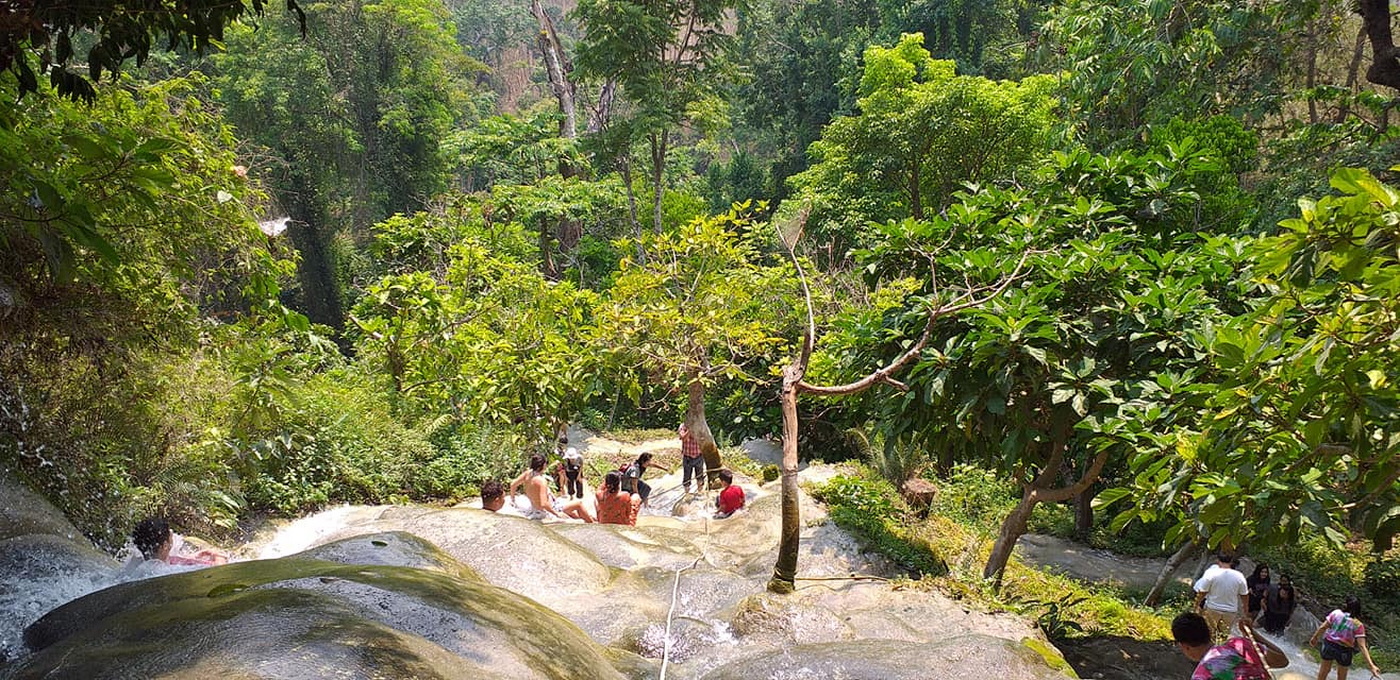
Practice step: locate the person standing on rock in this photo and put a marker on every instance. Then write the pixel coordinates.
(1237, 659)
(542, 502)
(691, 460)
(1342, 634)
(1258, 583)
(573, 473)
(1222, 595)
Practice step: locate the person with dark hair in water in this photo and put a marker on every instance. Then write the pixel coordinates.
(616, 506)
(493, 497)
(1279, 603)
(632, 480)
(1238, 659)
(731, 498)
(156, 541)
(1342, 634)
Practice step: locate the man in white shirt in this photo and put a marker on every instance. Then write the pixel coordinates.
(1221, 594)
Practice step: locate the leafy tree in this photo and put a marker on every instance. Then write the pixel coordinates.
(922, 131)
(126, 234)
(354, 117)
(1037, 383)
(1295, 433)
(665, 56)
(490, 341)
(114, 33)
(699, 308)
(1228, 58)
(937, 304)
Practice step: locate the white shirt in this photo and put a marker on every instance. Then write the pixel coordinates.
(1223, 588)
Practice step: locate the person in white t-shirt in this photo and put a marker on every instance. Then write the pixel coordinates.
(1221, 595)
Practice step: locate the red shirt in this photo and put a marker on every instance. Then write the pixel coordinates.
(731, 499)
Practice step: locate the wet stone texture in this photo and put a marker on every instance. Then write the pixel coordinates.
(302, 617)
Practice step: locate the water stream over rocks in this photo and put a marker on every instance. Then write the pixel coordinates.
(419, 592)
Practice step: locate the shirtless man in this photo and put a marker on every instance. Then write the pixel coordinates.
(542, 502)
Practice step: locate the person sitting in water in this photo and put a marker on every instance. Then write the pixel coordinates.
(542, 502)
(731, 498)
(493, 497)
(616, 506)
(1237, 659)
(156, 541)
(632, 480)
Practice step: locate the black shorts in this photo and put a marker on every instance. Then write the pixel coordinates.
(1332, 651)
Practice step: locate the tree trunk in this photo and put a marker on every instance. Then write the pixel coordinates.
(785, 571)
(602, 113)
(1037, 491)
(557, 69)
(632, 208)
(658, 174)
(1384, 69)
(1353, 74)
(1180, 557)
(1011, 531)
(1084, 513)
(1311, 80)
(700, 428)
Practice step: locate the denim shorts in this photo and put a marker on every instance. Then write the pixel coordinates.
(1331, 651)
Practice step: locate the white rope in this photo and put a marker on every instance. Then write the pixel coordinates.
(676, 589)
(675, 593)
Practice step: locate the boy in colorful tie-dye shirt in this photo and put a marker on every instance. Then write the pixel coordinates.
(1237, 659)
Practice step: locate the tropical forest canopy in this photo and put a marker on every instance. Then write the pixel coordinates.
(257, 259)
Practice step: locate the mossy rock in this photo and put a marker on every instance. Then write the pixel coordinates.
(299, 617)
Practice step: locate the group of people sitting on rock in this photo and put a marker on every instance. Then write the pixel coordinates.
(618, 500)
(1226, 600)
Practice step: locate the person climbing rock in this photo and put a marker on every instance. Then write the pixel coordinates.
(1222, 596)
(616, 506)
(692, 462)
(156, 541)
(1237, 659)
(632, 480)
(1342, 633)
(1279, 604)
(731, 499)
(542, 502)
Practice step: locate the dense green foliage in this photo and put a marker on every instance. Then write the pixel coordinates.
(1198, 330)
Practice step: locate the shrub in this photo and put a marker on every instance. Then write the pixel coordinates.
(871, 509)
(334, 441)
(976, 497)
(465, 456)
